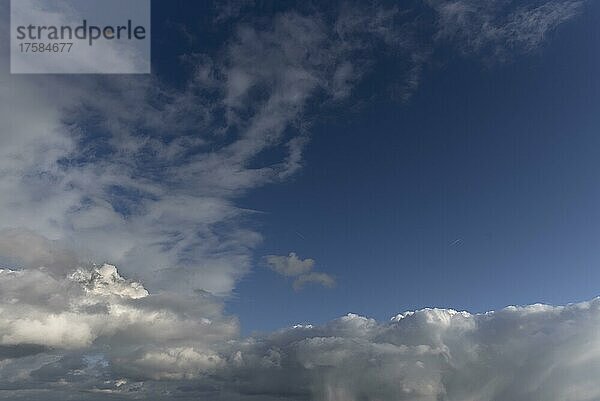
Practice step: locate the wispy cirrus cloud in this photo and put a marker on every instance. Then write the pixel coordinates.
(499, 29)
(146, 176)
(149, 183)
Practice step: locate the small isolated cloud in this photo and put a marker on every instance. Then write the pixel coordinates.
(289, 266)
(317, 278)
(301, 269)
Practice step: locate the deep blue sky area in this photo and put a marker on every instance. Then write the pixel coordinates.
(479, 192)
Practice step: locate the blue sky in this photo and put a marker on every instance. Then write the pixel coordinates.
(478, 192)
(300, 200)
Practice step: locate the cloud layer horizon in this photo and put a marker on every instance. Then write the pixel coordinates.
(91, 333)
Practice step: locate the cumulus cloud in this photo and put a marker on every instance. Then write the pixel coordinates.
(77, 309)
(323, 279)
(94, 316)
(290, 265)
(518, 353)
(95, 332)
(301, 269)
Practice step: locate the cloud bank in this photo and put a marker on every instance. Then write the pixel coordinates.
(92, 332)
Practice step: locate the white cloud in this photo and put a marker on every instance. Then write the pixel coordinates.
(105, 280)
(140, 174)
(77, 309)
(93, 329)
(146, 176)
(323, 279)
(519, 353)
(300, 269)
(290, 265)
(92, 186)
(176, 363)
(95, 313)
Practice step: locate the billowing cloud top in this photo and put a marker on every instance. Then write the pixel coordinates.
(93, 332)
